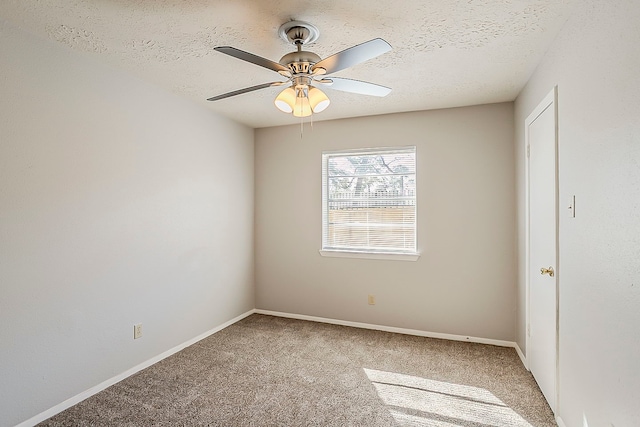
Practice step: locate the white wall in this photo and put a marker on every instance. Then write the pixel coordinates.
(464, 282)
(119, 203)
(595, 62)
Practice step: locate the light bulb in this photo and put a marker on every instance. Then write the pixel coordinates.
(318, 100)
(286, 100)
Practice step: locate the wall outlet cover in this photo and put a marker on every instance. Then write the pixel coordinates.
(137, 331)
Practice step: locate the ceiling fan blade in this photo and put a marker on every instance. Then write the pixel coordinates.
(254, 59)
(355, 86)
(245, 90)
(354, 55)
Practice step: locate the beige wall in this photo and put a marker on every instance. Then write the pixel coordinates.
(464, 281)
(595, 62)
(119, 203)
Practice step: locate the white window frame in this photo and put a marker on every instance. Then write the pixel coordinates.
(410, 255)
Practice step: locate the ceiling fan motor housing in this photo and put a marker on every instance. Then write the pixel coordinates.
(300, 62)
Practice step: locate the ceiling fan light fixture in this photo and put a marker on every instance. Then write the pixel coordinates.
(286, 100)
(318, 100)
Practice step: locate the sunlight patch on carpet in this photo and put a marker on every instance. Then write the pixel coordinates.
(415, 401)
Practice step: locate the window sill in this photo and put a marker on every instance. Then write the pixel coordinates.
(370, 255)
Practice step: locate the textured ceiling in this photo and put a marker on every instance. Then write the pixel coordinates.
(446, 53)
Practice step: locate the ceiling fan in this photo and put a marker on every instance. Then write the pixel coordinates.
(306, 72)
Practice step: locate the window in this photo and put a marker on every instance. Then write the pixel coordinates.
(369, 202)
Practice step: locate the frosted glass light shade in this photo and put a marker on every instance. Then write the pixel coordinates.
(286, 100)
(302, 107)
(318, 100)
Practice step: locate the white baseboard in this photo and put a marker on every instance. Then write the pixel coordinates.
(522, 356)
(416, 332)
(111, 381)
(560, 422)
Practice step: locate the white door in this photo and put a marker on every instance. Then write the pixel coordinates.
(541, 133)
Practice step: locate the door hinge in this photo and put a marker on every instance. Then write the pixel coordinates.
(529, 330)
(528, 151)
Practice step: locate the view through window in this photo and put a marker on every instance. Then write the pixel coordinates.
(369, 200)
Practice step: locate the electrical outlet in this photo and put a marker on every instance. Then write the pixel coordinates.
(137, 331)
(372, 300)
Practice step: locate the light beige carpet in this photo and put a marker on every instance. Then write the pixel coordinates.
(269, 371)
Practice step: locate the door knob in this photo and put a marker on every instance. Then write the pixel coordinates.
(548, 271)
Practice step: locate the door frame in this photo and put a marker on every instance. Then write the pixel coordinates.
(549, 101)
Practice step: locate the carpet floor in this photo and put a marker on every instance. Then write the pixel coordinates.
(270, 371)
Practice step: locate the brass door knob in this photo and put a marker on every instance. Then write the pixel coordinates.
(548, 271)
